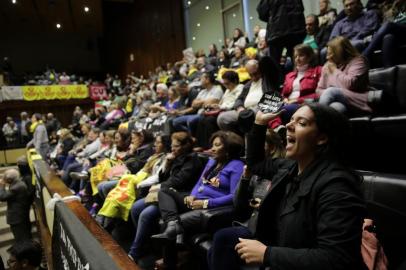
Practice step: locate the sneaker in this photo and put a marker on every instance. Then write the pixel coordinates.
(94, 209)
(79, 176)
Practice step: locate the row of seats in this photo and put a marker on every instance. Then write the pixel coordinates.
(379, 138)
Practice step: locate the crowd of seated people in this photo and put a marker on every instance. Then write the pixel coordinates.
(110, 158)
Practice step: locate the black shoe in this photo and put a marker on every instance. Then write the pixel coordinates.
(79, 176)
(173, 229)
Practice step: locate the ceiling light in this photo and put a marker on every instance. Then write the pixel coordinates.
(14, 1)
(207, 7)
(234, 15)
(198, 24)
(194, 38)
(58, 25)
(189, 3)
(251, 18)
(86, 9)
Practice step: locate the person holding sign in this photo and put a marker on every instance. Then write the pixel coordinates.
(312, 215)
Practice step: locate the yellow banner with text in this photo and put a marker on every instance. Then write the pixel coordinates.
(48, 92)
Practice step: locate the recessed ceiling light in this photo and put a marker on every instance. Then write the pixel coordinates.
(189, 3)
(207, 7)
(14, 1)
(194, 38)
(86, 9)
(58, 25)
(251, 18)
(198, 24)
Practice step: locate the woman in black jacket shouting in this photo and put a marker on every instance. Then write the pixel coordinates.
(312, 216)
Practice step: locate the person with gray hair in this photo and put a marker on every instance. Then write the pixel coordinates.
(40, 137)
(248, 99)
(18, 204)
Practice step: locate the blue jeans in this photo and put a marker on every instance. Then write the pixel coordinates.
(144, 217)
(222, 254)
(186, 123)
(105, 187)
(388, 38)
(334, 97)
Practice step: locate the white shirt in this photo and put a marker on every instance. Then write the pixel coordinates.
(296, 86)
(254, 95)
(229, 97)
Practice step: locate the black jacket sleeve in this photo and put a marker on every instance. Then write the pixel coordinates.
(263, 9)
(241, 197)
(338, 221)
(135, 163)
(256, 161)
(184, 177)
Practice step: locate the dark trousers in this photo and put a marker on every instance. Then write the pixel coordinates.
(388, 38)
(276, 45)
(205, 128)
(222, 254)
(21, 231)
(171, 204)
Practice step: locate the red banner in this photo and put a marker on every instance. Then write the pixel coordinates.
(98, 92)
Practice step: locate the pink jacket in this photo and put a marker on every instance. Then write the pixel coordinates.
(308, 84)
(352, 79)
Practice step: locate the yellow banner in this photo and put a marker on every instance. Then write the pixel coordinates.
(47, 92)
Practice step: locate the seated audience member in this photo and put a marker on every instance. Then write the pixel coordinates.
(238, 40)
(300, 85)
(171, 104)
(358, 25)
(207, 125)
(114, 114)
(390, 36)
(326, 18)
(344, 80)
(239, 58)
(140, 150)
(313, 196)
(25, 256)
(223, 60)
(18, 204)
(312, 31)
(210, 93)
(161, 94)
(122, 196)
(74, 161)
(212, 57)
(215, 188)
(180, 171)
(264, 79)
(64, 78)
(40, 136)
(10, 132)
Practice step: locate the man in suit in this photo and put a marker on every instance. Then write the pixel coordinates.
(18, 204)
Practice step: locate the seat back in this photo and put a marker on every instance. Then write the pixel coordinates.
(384, 79)
(386, 205)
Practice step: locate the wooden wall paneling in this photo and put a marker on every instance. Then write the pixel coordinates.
(151, 30)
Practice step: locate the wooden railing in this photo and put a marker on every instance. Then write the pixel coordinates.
(47, 185)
